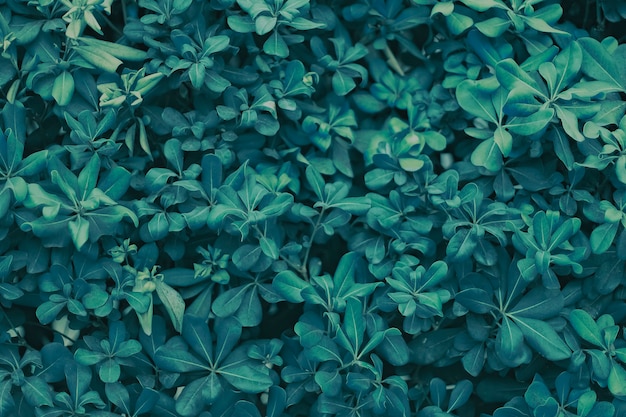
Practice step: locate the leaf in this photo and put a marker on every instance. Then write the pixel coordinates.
(511, 75)
(602, 237)
(240, 373)
(192, 398)
(342, 83)
(487, 155)
(211, 174)
(598, 64)
(354, 323)
(586, 327)
(98, 58)
(493, 27)
(542, 337)
(196, 333)
(276, 45)
(173, 303)
(530, 125)
(7, 403)
(37, 392)
(617, 380)
(476, 300)
(460, 394)
(562, 147)
(504, 140)
(118, 395)
(288, 285)
(462, 244)
(509, 342)
(539, 303)
(277, 401)
(197, 73)
(48, 311)
(458, 23)
(109, 371)
(264, 24)
(63, 88)
(474, 98)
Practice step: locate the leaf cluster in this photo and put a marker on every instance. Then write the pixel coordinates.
(312, 208)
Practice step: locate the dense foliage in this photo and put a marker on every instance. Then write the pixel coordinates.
(312, 208)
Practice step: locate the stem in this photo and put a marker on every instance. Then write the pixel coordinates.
(21, 340)
(393, 62)
(305, 262)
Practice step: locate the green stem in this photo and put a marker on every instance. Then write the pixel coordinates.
(21, 340)
(393, 62)
(307, 254)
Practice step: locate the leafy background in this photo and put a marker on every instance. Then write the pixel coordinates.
(312, 208)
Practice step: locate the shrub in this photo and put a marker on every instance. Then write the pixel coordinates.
(312, 208)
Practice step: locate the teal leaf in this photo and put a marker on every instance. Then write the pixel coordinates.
(474, 98)
(289, 285)
(543, 338)
(37, 392)
(276, 45)
(173, 303)
(63, 88)
(244, 375)
(530, 125)
(509, 342)
(617, 380)
(487, 154)
(193, 397)
(586, 327)
(598, 63)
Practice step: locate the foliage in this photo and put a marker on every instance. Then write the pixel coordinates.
(312, 208)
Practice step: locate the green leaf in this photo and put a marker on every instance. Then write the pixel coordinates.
(241, 24)
(617, 380)
(47, 312)
(483, 5)
(586, 327)
(487, 154)
(509, 342)
(539, 303)
(122, 52)
(98, 58)
(458, 23)
(37, 392)
(342, 83)
(598, 63)
(173, 303)
(542, 337)
(109, 371)
(63, 88)
(529, 125)
(462, 244)
(193, 397)
(288, 285)
(354, 324)
(178, 360)
(88, 357)
(602, 237)
(493, 27)
(241, 374)
(7, 403)
(197, 73)
(511, 75)
(460, 395)
(276, 45)
(268, 247)
(475, 98)
(264, 24)
(476, 300)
